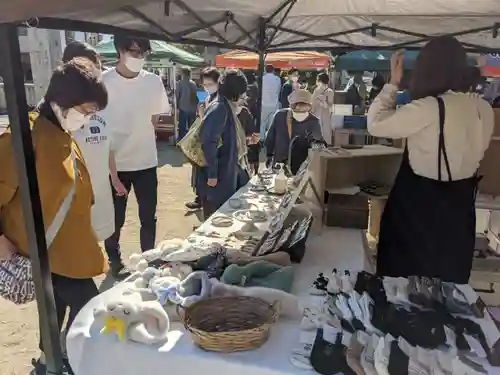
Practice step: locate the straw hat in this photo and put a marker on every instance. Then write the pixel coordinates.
(300, 96)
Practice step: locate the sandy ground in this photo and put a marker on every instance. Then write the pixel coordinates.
(19, 325)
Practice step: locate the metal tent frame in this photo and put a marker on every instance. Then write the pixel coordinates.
(268, 33)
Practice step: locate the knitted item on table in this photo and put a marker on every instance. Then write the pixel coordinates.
(194, 288)
(259, 273)
(398, 361)
(132, 319)
(382, 354)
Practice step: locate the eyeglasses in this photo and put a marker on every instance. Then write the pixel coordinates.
(137, 53)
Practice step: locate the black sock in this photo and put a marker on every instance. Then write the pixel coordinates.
(398, 360)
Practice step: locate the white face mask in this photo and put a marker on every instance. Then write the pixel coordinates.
(73, 121)
(134, 64)
(295, 79)
(300, 116)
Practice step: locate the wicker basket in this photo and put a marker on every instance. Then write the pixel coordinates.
(230, 324)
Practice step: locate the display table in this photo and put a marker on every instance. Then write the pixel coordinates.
(91, 353)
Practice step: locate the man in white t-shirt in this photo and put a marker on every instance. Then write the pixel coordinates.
(136, 98)
(271, 87)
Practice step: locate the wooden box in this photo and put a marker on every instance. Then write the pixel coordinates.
(489, 167)
(376, 209)
(347, 211)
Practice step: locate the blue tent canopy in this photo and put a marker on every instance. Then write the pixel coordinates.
(371, 60)
(376, 60)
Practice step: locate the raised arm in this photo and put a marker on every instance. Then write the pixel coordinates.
(384, 120)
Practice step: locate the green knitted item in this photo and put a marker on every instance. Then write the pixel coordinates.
(259, 273)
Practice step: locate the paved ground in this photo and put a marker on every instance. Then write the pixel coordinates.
(18, 325)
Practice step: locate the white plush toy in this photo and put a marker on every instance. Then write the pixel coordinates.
(289, 304)
(134, 319)
(140, 261)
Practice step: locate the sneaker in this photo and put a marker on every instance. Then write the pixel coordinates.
(119, 271)
(194, 205)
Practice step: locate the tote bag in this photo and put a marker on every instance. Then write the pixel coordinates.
(16, 277)
(191, 145)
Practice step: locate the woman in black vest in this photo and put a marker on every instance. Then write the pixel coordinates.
(428, 225)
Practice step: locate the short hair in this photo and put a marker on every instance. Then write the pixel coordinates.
(125, 43)
(323, 78)
(269, 68)
(441, 66)
(473, 78)
(211, 73)
(293, 71)
(80, 49)
(186, 72)
(76, 82)
(232, 84)
(378, 81)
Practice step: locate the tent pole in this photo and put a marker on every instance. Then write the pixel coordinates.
(22, 147)
(261, 46)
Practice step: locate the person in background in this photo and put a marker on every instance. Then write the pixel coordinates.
(210, 81)
(289, 86)
(322, 105)
(356, 93)
(75, 93)
(271, 86)
(137, 98)
(252, 137)
(428, 227)
(93, 140)
(252, 95)
(187, 102)
(377, 83)
(304, 128)
(223, 144)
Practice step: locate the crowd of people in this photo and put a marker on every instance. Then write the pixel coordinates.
(94, 140)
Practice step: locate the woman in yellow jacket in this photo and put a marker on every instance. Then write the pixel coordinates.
(75, 92)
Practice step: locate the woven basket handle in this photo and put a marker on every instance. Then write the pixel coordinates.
(276, 306)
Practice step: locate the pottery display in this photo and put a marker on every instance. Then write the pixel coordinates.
(252, 216)
(221, 221)
(235, 203)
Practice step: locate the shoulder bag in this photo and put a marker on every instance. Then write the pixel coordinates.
(191, 145)
(16, 276)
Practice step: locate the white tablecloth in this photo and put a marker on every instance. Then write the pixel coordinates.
(93, 354)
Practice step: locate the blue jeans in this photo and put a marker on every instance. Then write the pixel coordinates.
(186, 119)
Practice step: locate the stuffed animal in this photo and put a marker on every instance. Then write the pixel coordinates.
(133, 319)
(141, 261)
(289, 304)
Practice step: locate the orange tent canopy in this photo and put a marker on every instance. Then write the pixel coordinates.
(282, 60)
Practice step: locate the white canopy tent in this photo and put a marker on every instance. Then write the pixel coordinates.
(256, 25)
(289, 24)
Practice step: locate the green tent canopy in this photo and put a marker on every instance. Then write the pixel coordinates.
(160, 50)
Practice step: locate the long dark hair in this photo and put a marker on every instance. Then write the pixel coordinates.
(441, 66)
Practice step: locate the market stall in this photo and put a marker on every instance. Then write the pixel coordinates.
(258, 26)
(332, 304)
(280, 60)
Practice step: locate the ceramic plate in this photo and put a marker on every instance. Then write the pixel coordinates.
(221, 221)
(250, 216)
